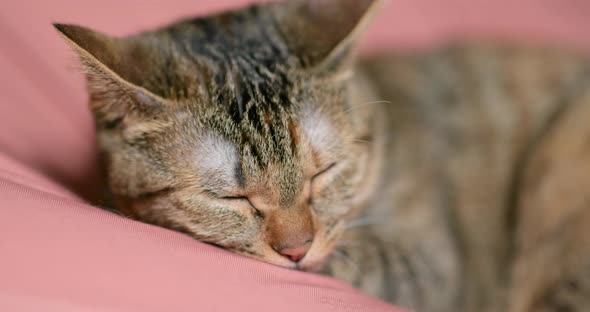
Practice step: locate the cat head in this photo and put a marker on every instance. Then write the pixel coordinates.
(236, 128)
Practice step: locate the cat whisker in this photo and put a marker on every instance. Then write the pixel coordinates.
(364, 222)
(345, 243)
(367, 103)
(362, 141)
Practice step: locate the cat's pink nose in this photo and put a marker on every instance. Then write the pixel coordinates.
(295, 253)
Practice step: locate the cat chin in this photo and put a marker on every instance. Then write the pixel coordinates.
(270, 256)
(311, 266)
(307, 264)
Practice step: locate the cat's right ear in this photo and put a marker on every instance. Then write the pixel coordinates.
(322, 33)
(111, 66)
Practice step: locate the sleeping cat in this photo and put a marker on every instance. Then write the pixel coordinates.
(447, 180)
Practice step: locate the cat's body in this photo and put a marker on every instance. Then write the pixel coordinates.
(447, 180)
(470, 138)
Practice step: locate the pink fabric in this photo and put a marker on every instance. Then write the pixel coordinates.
(59, 254)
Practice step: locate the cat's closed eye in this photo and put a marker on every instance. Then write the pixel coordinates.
(323, 171)
(245, 200)
(314, 185)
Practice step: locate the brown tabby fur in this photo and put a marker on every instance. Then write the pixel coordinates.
(446, 180)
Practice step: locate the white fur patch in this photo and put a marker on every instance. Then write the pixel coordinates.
(318, 130)
(215, 155)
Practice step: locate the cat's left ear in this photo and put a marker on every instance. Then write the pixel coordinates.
(322, 33)
(114, 69)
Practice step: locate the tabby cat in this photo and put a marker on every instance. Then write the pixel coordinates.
(454, 179)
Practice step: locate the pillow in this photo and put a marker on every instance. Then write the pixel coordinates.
(60, 254)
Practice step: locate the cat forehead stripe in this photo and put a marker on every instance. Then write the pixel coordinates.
(249, 59)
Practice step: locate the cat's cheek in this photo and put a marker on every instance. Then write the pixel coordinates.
(134, 208)
(157, 211)
(329, 212)
(323, 245)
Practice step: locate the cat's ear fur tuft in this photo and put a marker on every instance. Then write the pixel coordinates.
(323, 32)
(109, 65)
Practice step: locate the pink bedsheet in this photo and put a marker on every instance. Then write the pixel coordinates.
(59, 254)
